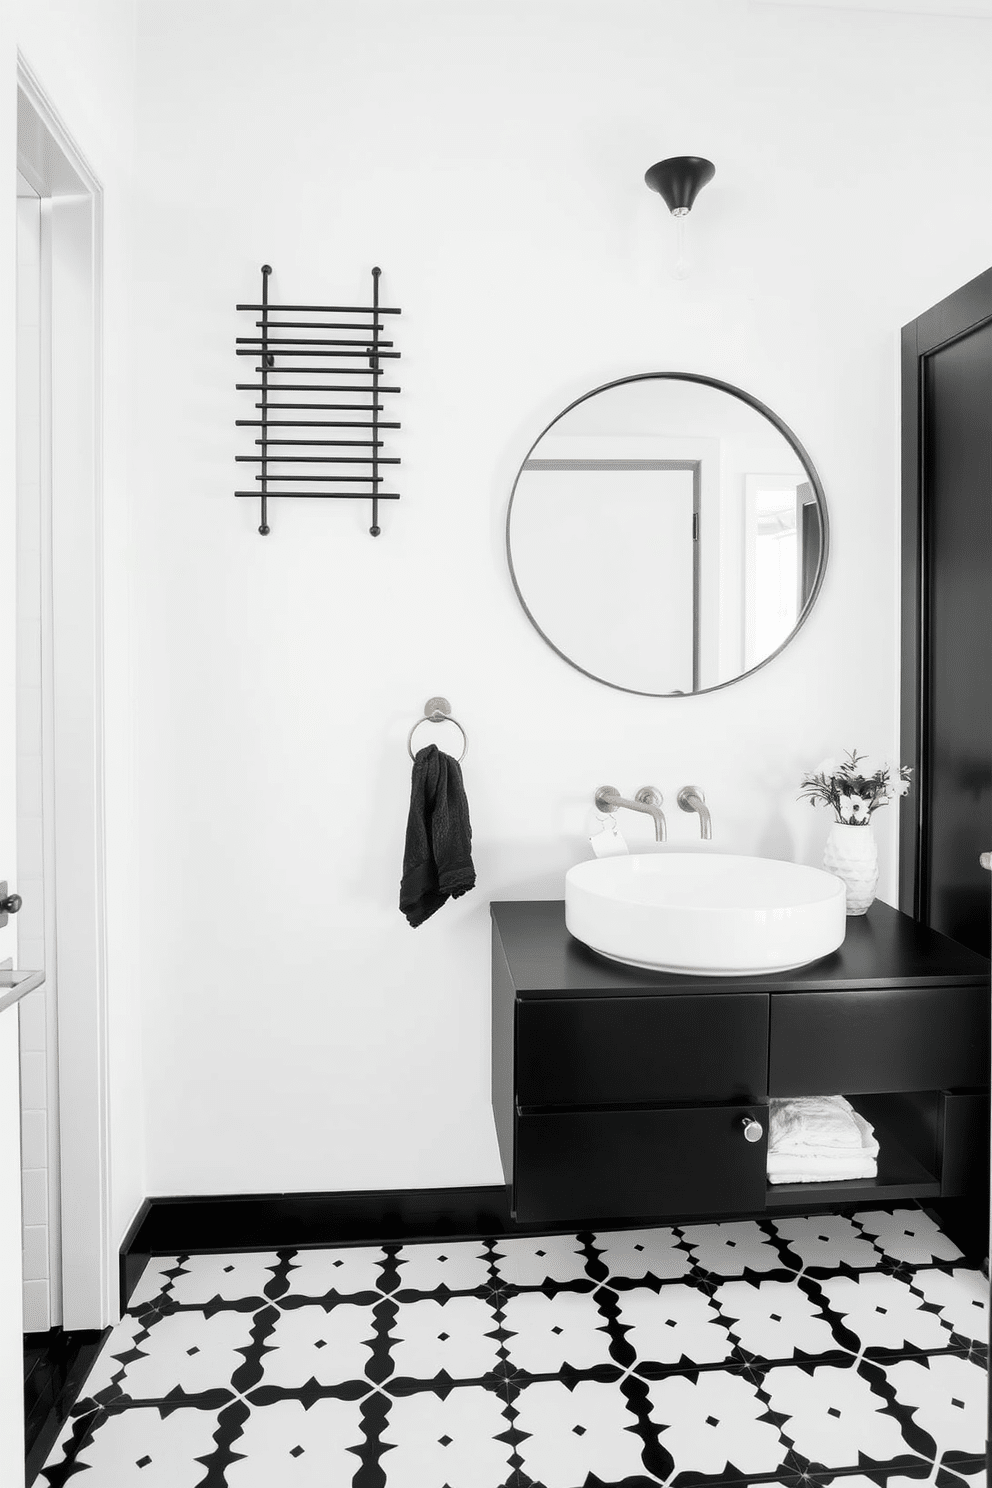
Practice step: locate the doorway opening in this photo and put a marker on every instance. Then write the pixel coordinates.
(68, 1266)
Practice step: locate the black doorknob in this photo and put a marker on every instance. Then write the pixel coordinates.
(11, 904)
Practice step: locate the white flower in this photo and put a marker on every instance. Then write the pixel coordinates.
(853, 808)
(827, 767)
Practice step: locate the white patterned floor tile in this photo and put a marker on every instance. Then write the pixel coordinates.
(963, 1299)
(189, 1350)
(544, 1258)
(709, 1421)
(230, 1277)
(553, 1331)
(572, 1433)
(309, 1343)
(634, 1253)
(152, 1281)
(713, 1423)
(833, 1415)
(107, 1362)
(459, 1265)
(136, 1448)
(827, 1240)
(909, 1235)
(948, 1397)
(350, 1269)
(774, 1319)
(284, 1445)
(730, 1249)
(435, 1442)
(449, 1335)
(883, 1312)
(676, 1323)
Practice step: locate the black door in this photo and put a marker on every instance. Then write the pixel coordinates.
(947, 613)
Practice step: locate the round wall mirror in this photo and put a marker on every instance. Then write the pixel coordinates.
(667, 534)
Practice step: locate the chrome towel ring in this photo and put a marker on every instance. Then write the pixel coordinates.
(437, 710)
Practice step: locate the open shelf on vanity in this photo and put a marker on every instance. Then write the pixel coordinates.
(907, 1128)
(900, 1176)
(927, 1140)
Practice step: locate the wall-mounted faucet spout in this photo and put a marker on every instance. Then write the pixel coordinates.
(691, 798)
(647, 800)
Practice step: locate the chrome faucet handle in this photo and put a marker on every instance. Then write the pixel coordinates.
(648, 800)
(691, 798)
(650, 797)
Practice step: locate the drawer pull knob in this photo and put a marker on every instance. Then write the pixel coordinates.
(752, 1129)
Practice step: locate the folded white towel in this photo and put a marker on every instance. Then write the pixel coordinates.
(819, 1139)
(814, 1123)
(790, 1169)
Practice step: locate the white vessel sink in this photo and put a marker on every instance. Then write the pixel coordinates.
(708, 914)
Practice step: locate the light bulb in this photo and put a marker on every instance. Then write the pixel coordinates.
(681, 269)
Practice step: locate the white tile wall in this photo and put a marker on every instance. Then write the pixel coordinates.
(30, 851)
(36, 1303)
(32, 1017)
(39, 1126)
(34, 1192)
(34, 1079)
(35, 1259)
(31, 917)
(34, 1140)
(28, 726)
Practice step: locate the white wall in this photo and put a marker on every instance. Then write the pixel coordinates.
(82, 54)
(298, 1035)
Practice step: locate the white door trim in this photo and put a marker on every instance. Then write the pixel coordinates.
(51, 160)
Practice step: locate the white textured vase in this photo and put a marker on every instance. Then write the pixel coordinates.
(852, 854)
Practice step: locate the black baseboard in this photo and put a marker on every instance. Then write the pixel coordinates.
(133, 1255)
(295, 1221)
(55, 1365)
(274, 1220)
(231, 1222)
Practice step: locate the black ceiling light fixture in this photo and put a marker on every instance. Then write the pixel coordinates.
(678, 181)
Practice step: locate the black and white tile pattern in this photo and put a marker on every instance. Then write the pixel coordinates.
(811, 1351)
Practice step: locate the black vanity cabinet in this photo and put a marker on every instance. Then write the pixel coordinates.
(622, 1094)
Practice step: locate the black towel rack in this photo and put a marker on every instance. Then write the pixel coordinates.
(354, 359)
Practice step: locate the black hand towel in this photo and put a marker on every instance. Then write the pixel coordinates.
(437, 863)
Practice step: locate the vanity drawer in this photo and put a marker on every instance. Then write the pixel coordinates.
(637, 1164)
(641, 1050)
(878, 1039)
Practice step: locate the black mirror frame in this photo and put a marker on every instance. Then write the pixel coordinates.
(796, 446)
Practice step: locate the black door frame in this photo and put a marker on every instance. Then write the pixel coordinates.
(965, 310)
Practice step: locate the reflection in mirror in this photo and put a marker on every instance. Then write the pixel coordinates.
(666, 534)
(781, 557)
